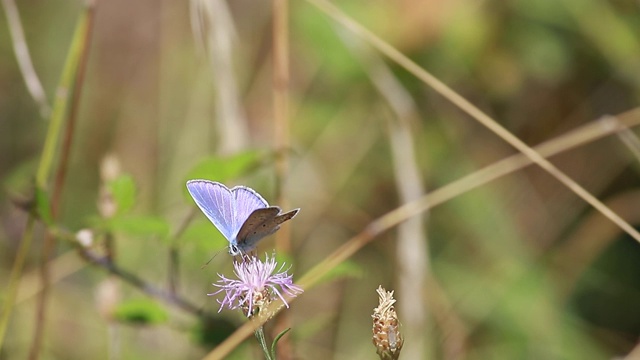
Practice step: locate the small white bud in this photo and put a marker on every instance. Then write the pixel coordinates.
(85, 237)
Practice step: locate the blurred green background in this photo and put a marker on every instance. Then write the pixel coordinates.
(518, 268)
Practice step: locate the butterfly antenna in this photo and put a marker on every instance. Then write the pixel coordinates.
(213, 257)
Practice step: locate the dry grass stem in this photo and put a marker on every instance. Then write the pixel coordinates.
(627, 137)
(24, 59)
(213, 24)
(471, 110)
(585, 134)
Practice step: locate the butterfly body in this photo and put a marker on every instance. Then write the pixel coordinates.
(240, 213)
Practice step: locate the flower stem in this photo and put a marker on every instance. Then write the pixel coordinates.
(263, 343)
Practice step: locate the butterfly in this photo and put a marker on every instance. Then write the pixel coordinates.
(240, 214)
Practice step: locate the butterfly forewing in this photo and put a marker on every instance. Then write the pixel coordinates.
(217, 202)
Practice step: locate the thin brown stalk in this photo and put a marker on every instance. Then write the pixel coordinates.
(473, 111)
(584, 134)
(174, 254)
(11, 289)
(49, 243)
(105, 263)
(281, 142)
(628, 138)
(281, 109)
(24, 59)
(144, 286)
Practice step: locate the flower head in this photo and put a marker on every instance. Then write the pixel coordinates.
(386, 332)
(258, 284)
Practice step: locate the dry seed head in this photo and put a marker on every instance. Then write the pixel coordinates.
(386, 332)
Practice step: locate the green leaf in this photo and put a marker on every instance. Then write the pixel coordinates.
(224, 169)
(140, 225)
(123, 190)
(43, 206)
(275, 342)
(204, 235)
(141, 312)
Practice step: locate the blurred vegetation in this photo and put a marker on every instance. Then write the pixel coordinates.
(518, 268)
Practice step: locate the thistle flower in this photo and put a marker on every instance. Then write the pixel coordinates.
(386, 332)
(258, 284)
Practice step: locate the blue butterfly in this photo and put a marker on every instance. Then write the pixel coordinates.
(240, 214)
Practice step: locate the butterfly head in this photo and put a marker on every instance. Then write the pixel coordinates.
(234, 250)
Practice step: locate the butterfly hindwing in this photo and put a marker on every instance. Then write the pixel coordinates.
(261, 223)
(255, 227)
(286, 216)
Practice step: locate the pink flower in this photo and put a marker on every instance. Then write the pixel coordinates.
(257, 285)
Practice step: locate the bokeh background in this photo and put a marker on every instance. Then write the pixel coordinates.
(517, 268)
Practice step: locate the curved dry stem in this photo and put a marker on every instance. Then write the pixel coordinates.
(473, 111)
(580, 136)
(24, 59)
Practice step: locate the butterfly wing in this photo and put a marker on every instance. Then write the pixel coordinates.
(261, 223)
(218, 203)
(240, 214)
(247, 201)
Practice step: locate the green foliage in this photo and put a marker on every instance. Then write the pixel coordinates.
(224, 169)
(20, 179)
(141, 225)
(275, 342)
(123, 190)
(543, 53)
(43, 206)
(204, 235)
(538, 67)
(324, 45)
(141, 312)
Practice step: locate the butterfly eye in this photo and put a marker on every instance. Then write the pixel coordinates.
(233, 250)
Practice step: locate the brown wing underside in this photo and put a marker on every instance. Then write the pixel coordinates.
(261, 223)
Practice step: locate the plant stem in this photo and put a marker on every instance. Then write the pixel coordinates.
(16, 272)
(281, 138)
(263, 343)
(585, 134)
(174, 252)
(49, 244)
(46, 161)
(24, 59)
